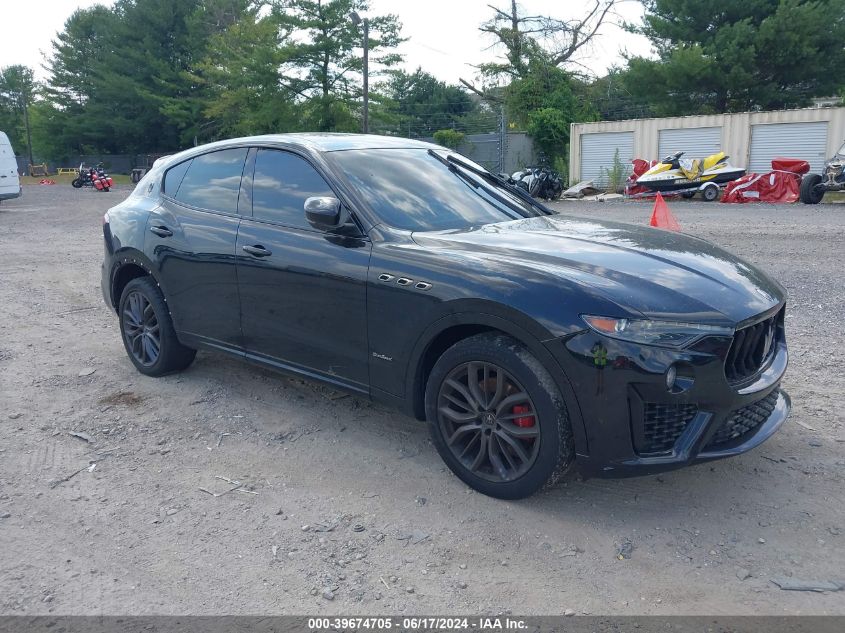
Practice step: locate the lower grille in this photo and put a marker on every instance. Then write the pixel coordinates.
(663, 424)
(745, 420)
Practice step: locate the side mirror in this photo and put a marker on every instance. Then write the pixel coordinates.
(323, 212)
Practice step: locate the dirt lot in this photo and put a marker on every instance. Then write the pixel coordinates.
(354, 511)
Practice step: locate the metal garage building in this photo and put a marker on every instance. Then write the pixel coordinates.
(751, 139)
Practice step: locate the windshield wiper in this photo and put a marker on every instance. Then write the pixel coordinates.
(491, 177)
(454, 165)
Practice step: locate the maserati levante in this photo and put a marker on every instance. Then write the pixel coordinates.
(397, 270)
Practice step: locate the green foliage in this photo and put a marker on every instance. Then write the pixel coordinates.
(747, 55)
(248, 93)
(449, 138)
(615, 175)
(544, 104)
(323, 66)
(561, 166)
(17, 91)
(418, 104)
(123, 79)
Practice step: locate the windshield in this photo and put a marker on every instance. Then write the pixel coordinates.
(414, 190)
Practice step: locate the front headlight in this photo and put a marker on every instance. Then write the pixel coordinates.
(660, 333)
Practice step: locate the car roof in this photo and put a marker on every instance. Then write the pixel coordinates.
(336, 141)
(314, 141)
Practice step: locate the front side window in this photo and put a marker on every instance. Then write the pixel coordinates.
(282, 183)
(213, 180)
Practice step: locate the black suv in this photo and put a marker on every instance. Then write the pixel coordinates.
(403, 272)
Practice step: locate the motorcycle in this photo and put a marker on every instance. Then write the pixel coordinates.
(540, 182)
(687, 175)
(95, 177)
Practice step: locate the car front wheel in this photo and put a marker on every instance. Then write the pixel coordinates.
(497, 418)
(147, 330)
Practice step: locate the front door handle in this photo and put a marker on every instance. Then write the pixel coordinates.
(161, 231)
(257, 251)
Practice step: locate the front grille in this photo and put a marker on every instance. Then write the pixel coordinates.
(745, 420)
(750, 349)
(663, 424)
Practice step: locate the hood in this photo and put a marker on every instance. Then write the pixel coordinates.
(643, 270)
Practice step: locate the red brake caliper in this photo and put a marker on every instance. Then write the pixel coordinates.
(523, 421)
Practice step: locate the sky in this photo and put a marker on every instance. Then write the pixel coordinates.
(443, 34)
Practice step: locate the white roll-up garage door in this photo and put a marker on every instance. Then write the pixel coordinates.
(598, 150)
(806, 141)
(695, 142)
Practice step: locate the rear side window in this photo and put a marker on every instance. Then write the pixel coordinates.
(213, 180)
(173, 178)
(282, 183)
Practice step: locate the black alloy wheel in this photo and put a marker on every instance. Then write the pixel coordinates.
(141, 329)
(498, 418)
(147, 330)
(489, 421)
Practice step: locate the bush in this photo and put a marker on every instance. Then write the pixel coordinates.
(616, 175)
(561, 166)
(449, 138)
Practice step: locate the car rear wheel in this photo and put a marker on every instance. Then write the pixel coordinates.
(496, 417)
(147, 330)
(810, 192)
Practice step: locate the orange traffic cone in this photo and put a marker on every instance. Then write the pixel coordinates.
(662, 217)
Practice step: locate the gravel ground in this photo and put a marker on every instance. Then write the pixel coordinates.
(325, 503)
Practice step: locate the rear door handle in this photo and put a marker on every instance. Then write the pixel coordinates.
(161, 231)
(257, 251)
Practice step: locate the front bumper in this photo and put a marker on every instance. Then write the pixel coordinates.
(632, 424)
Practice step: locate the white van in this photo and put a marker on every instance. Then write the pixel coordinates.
(10, 183)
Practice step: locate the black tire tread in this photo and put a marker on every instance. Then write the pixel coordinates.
(173, 355)
(491, 345)
(808, 184)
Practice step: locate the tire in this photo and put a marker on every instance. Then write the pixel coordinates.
(143, 315)
(77, 183)
(543, 432)
(808, 193)
(710, 193)
(105, 188)
(687, 195)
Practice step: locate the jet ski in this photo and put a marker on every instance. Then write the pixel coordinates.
(688, 175)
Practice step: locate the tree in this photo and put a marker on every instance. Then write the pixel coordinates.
(539, 54)
(529, 39)
(324, 64)
(17, 88)
(738, 55)
(248, 92)
(123, 79)
(419, 104)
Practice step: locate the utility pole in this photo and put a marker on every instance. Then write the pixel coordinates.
(366, 76)
(356, 20)
(503, 138)
(26, 124)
